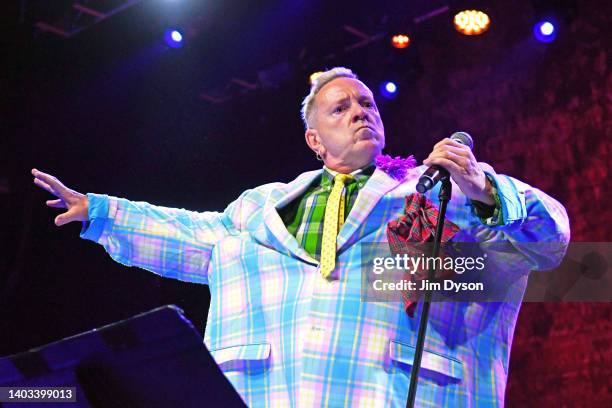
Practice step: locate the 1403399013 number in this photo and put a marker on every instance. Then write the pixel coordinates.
(31, 394)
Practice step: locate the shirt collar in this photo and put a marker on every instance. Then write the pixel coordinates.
(360, 175)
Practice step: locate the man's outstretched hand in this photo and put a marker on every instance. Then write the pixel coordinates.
(76, 203)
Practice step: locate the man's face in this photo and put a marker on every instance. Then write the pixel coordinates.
(346, 128)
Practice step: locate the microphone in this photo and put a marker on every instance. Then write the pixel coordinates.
(436, 173)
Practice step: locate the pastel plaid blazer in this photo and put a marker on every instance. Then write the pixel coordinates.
(286, 337)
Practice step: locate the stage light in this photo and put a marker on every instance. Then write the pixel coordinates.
(545, 31)
(547, 28)
(173, 38)
(471, 22)
(388, 89)
(314, 76)
(176, 36)
(400, 41)
(391, 87)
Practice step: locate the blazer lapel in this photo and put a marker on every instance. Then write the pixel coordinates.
(376, 187)
(275, 232)
(284, 242)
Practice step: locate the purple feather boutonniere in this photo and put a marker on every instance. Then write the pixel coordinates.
(396, 167)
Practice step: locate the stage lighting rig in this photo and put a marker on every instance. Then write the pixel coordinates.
(80, 15)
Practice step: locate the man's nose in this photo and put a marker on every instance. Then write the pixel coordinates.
(359, 113)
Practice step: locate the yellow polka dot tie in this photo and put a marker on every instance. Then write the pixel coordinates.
(332, 222)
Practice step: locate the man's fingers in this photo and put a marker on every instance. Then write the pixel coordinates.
(75, 202)
(449, 165)
(460, 150)
(449, 142)
(56, 203)
(441, 143)
(45, 186)
(59, 220)
(458, 160)
(49, 180)
(62, 219)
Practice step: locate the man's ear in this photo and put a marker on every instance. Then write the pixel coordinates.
(314, 141)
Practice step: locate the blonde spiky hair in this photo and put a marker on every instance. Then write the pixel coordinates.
(319, 82)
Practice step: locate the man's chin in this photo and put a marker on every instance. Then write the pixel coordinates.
(368, 156)
(365, 134)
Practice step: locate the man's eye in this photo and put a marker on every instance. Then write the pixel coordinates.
(338, 109)
(368, 104)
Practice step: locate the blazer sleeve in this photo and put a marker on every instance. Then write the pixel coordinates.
(171, 242)
(530, 222)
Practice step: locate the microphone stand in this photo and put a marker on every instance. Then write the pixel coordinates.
(444, 197)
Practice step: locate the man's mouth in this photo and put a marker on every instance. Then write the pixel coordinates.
(369, 133)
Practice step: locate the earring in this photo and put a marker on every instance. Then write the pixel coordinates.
(318, 156)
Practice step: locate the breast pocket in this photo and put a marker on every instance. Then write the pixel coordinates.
(245, 357)
(436, 367)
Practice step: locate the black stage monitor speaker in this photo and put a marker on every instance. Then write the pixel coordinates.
(155, 359)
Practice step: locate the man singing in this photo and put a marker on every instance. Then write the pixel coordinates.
(286, 322)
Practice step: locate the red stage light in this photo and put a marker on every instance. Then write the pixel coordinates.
(400, 41)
